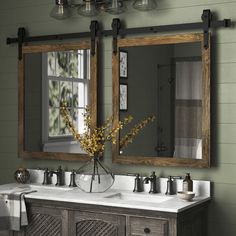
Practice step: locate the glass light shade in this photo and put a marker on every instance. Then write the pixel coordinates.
(88, 9)
(60, 12)
(94, 177)
(144, 5)
(115, 7)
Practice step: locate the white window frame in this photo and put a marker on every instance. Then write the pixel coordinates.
(51, 143)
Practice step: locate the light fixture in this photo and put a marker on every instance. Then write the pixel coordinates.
(61, 11)
(90, 8)
(115, 7)
(144, 5)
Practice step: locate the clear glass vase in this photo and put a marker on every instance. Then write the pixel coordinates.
(94, 177)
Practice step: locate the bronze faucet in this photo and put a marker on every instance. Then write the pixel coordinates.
(170, 189)
(153, 182)
(48, 175)
(138, 184)
(59, 174)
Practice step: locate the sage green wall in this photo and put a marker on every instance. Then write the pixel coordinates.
(34, 15)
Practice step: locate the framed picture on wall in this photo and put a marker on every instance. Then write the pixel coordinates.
(123, 97)
(124, 64)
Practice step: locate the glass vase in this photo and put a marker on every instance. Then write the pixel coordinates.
(94, 177)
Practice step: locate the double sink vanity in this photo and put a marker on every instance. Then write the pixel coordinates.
(166, 76)
(68, 211)
(180, 136)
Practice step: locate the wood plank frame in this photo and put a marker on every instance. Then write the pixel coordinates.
(22, 153)
(167, 161)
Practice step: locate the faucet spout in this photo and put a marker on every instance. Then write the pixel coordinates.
(153, 182)
(59, 174)
(47, 177)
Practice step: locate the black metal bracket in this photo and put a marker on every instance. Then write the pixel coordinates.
(21, 39)
(116, 25)
(94, 27)
(206, 18)
(116, 30)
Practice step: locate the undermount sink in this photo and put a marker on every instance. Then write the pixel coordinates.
(44, 187)
(137, 197)
(50, 187)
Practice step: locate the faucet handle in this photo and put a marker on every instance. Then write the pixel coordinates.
(169, 188)
(138, 184)
(72, 179)
(170, 184)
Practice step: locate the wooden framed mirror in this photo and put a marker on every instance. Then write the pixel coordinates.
(49, 74)
(169, 77)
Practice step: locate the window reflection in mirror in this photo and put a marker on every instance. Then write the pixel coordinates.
(51, 77)
(61, 76)
(170, 81)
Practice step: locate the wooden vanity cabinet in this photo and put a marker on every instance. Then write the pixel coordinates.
(45, 221)
(88, 223)
(142, 226)
(51, 218)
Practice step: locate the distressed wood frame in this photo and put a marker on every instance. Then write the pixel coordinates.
(22, 153)
(206, 111)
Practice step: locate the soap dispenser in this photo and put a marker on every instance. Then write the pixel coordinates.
(187, 183)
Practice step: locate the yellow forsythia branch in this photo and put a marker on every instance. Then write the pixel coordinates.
(128, 138)
(93, 142)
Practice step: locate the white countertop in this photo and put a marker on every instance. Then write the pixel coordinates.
(73, 195)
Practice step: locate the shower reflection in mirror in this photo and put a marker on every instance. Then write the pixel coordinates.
(170, 87)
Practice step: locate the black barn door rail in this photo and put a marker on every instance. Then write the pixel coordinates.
(206, 24)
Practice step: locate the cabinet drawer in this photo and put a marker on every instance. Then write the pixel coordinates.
(143, 226)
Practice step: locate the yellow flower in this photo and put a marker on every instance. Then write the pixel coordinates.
(93, 140)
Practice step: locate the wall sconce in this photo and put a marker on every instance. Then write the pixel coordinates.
(89, 8)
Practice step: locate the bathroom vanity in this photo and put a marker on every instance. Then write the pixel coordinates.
(120, 212)
(65, 218)
(117, 212)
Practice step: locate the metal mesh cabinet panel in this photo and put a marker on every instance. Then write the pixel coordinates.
(95, 228)
(43, 225)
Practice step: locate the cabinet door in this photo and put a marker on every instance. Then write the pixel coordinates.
(145, 226)
(193, 223)
(97, 224)
(45, 221)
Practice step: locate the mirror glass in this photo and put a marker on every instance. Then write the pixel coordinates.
(167, 81)
(61, 74)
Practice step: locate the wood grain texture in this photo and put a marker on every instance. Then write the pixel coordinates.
(91, 220)
(151, 226)
(206, 114)
(21, 102)
(159, 40)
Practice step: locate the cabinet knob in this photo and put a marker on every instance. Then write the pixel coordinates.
(147, 231)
